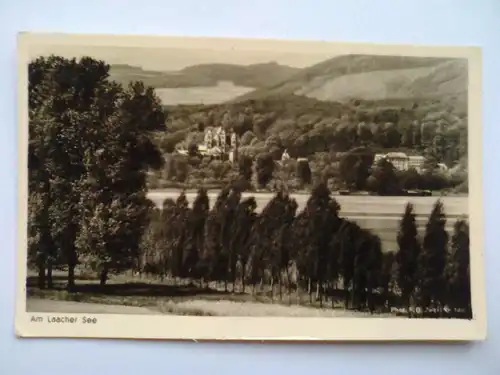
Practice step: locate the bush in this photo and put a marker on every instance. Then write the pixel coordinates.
(264, 168)
(304, 174)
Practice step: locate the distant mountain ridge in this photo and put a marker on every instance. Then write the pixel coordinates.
(372, 77)
(253, 76)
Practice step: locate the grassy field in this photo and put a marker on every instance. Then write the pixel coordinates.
(125, 294)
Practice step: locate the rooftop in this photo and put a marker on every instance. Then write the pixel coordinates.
(401, 155)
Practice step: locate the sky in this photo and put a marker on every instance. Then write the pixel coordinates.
(167, 59)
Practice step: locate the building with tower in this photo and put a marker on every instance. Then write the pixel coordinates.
(220, 144)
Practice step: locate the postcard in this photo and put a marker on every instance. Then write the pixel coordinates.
(249, 189)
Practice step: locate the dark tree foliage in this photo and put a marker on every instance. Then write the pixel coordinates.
(228, 256)
(264, 168)
(458, 271)
(193, 150)
(195, 235)
(180, 219)
(90, 147)
(410, 179)
(383, 179)
(367, 265)
(304, 172)
(279, 237)
(212, 253)
(319, 222)
(244, 221)
(355, 167)
(266, 229)
(432, 260)
(408, 254)
(348, 234)
(245, 167)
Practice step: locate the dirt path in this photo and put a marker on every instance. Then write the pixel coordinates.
(69, 307)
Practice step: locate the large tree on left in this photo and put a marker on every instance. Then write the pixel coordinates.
(89, 150)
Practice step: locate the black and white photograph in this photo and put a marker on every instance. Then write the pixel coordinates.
(175, 187)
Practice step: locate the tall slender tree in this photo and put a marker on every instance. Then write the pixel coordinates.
(321, 222)
(212, 252)
(195, 235)
(386, 278)
(244, 221)
(432, 260)
(459, 270)
(407, 255)
(266, 251)
(348, 234)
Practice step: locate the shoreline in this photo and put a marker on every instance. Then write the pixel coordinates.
(305, 193)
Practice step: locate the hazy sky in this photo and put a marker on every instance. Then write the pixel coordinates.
(178, 58)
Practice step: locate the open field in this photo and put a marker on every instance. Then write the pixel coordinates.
(128, 295)
(380, 214)
(199, 307)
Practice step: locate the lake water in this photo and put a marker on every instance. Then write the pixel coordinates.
(224, 91)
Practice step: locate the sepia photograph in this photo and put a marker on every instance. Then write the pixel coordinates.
(221, 188)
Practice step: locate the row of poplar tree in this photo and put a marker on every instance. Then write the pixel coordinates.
(314, 251)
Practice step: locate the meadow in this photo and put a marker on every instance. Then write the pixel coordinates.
(127, 293)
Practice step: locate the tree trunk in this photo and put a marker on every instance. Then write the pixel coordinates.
(103, 277)
(289, 286)
(71, 278)
(319, 295)
(41, 275)
(332, 297)
(272, 288)
(309, 289)
(388, 294)
(353, 296)
(50, 283)
(279, 288)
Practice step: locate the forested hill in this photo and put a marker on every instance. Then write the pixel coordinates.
(306, 126)
(372, 77)
(256, 75)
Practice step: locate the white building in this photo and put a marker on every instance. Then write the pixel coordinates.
(416, 162)
(401, 161)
